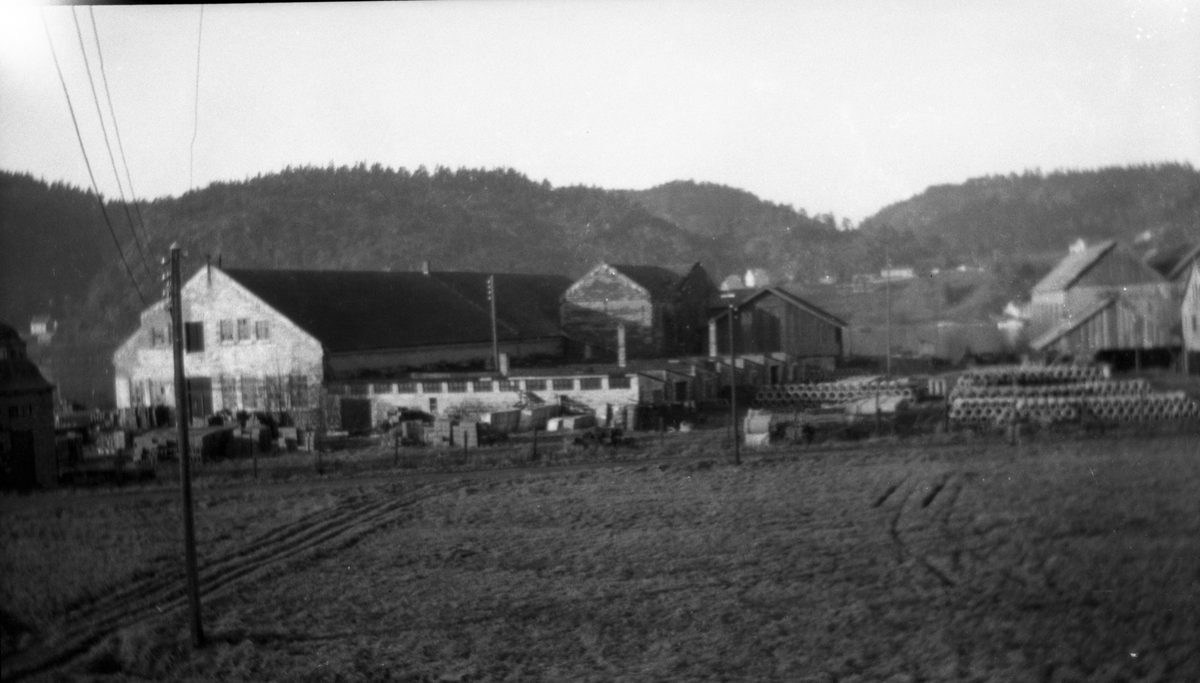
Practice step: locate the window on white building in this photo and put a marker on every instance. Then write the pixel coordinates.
(226, 331)
(243, 329)
(262, 330)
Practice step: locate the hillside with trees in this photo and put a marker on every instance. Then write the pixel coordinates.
(1038, 215)
(57, 256)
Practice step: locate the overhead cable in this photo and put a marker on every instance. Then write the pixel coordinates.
(79, 136)
(196, 108)
(104, 130)
(120, 147)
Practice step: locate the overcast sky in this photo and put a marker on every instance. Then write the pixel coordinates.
(831, 106)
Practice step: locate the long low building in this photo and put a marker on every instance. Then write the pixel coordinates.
(269, 339)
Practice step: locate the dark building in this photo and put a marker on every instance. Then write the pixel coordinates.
(778, 330)
(27, 453)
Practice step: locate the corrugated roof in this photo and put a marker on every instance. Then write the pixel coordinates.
(1073, 267)
(1075, 316)
(662, 283)
(359, 311)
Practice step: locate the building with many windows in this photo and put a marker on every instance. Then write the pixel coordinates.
(271, 339)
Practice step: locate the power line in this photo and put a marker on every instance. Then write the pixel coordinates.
(120, 147)
(104, 129)
(87, 163)
(196, 108)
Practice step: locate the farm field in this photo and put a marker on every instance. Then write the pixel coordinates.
(1055, 561)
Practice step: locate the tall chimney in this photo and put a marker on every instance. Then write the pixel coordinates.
(425, 267)
(620, 346)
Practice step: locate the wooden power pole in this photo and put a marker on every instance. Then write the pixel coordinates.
(185, 454)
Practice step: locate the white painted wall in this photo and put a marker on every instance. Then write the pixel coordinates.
(145, 372)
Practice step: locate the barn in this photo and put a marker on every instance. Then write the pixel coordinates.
(662, 310)
(269, 339)
(1104, 302)
(779, 331)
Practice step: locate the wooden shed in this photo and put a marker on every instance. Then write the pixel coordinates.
(1108, 323)
(779, 327)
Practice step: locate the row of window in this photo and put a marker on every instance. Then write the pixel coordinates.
(26, 410)
(240, 330)
(482, 386)
(193, 336)
(231, 332)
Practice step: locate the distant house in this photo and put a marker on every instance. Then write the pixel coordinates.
(267, 339)
(1190, 316)
(662, 310)
(1102, 299)
(778, 330)
(756, 277)
(897, 274)
(733, 282)
(42, 328)
(27, 451)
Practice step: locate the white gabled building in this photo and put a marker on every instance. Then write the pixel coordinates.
(269, 339)
(1190, 317)
(239, 352)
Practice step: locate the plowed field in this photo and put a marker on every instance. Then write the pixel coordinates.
(1064, 561)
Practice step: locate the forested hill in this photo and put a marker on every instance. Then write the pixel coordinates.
(57, 256)
(1037, 213)
(372, 218)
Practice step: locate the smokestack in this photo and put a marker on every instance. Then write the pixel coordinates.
(620, 346)
(425, 267)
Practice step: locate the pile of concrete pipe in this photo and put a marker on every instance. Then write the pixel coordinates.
(1029, 375)
(1133, 387)
(791, 395)
(1142, 407)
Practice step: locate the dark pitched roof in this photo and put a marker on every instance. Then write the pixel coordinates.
(1174, 262)
(18, 374)
(662, 283)
(527, 302)
(358, 311)
(1073, 267)
(742, 297)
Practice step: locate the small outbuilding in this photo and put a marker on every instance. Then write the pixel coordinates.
(27, 451)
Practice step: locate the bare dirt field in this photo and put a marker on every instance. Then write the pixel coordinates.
(1055, 561)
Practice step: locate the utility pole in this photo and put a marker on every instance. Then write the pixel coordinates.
(737, 454)
(184, 451)
(495, 339)
(887, 286)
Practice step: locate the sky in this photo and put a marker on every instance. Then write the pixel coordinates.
(831, 106)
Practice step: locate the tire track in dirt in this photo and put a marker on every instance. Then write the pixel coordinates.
(939, 516)
(174, 574)
(264, 554)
